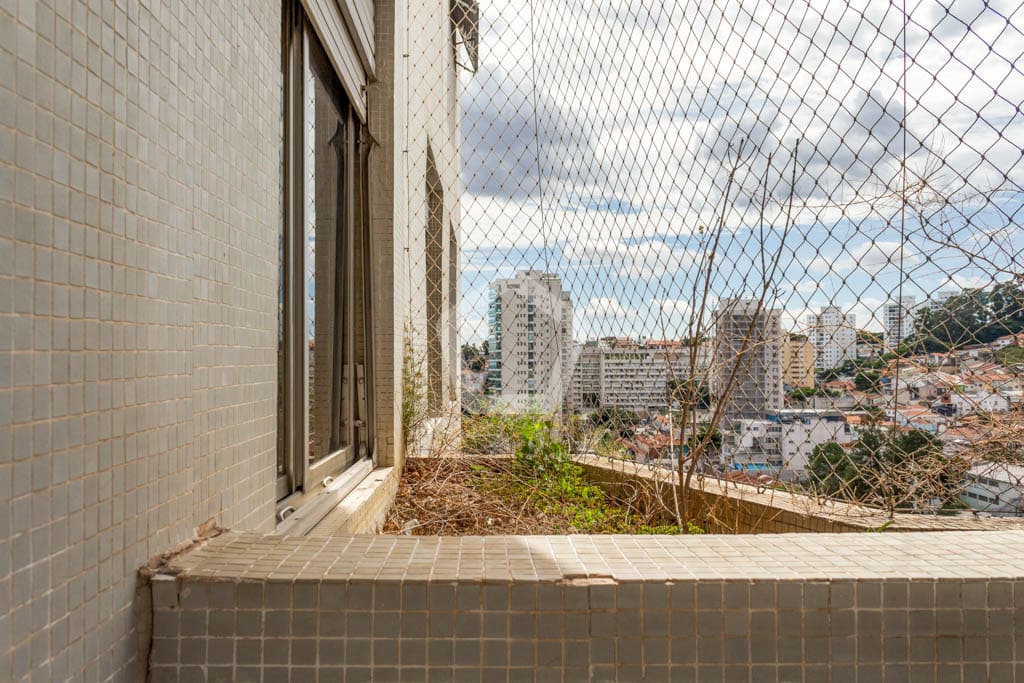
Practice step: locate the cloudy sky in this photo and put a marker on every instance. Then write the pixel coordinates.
(623, 145)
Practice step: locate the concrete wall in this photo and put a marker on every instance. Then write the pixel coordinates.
(413, 102)
(388, 218)
(365, 509)
(720, 506)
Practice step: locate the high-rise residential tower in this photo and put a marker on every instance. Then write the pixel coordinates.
(797, 361)
(834, 336)
(748, 367)
(899, 320)
(530, 338)
(631, 375)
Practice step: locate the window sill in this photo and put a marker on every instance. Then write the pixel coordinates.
(315, 508)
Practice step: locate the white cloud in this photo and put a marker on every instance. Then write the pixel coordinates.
(673, 307)
(604, 307)
(806, 288)
(870, 257)
(645, 260)
(795, 319)
(868, 311)
(602, 316)
(874, 256)
(671, 318)
(998, 234)
(969, 281)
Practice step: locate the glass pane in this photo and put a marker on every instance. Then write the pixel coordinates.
(325, 146)
(434, 255)
(282, 451)
(282, 359)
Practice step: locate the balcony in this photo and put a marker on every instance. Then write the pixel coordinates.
(261, 262)
(813, 593)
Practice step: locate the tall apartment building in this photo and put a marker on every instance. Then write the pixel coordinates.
(747, 359)
(899, 320)
(633, 376)
(797, 354)
(585, 382)
(834, 336)
(530, 339)
(214, 207)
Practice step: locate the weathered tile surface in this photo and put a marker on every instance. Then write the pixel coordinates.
(139, 204)
(934, 606)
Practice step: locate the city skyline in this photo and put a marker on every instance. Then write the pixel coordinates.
(612, 300)
(621, 324)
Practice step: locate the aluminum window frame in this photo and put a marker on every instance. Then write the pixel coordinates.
(352, 408)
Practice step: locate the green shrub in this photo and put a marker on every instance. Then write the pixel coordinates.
(543, 474)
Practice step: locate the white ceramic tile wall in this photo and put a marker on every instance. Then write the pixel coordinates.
(139, 217)
(139, 203)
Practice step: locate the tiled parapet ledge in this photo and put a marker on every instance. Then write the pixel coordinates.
(793, 607)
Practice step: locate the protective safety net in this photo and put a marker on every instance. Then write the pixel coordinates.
(775, 243)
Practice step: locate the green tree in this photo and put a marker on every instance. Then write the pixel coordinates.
(689, 392)
(1011, 355)
(473, 358)
(915, 473)
(869, 381)
(869, 454)
(832, 469)
(710, 436)
(618, 420)
(913, 445)
(869, 337)
(847, 368)
(803, 393)
(975, 316)
(1006, 301)
(901, 470)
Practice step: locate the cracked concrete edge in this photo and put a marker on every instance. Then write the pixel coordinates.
(159, 569)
